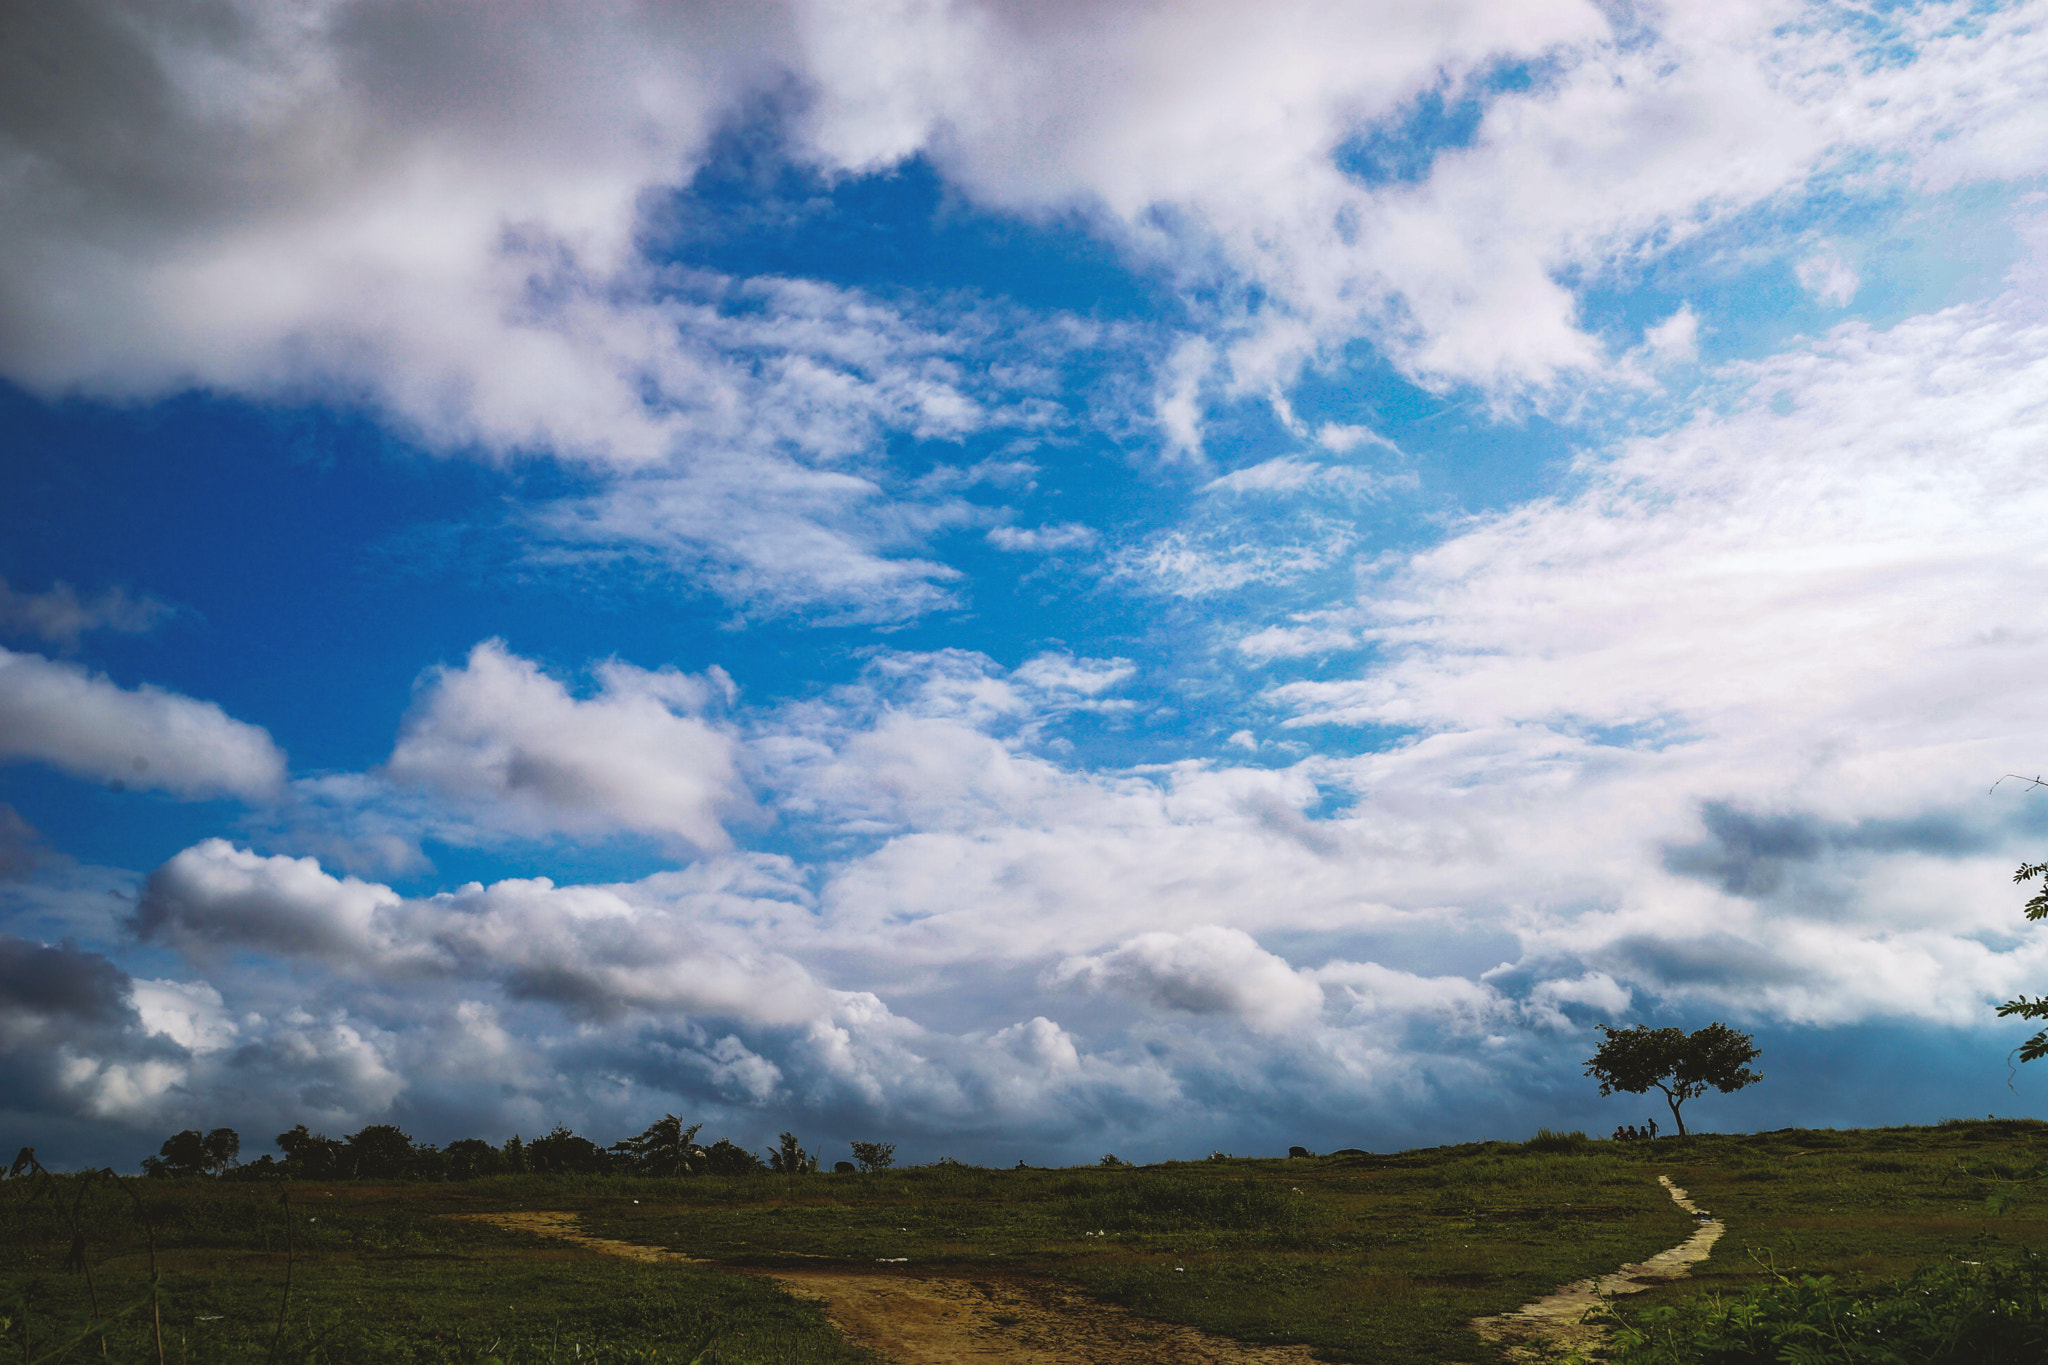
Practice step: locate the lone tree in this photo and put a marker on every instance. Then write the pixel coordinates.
(874, 1156)
(2037, 908)
(1680, 1064)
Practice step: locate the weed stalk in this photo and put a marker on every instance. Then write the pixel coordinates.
(284, 1307)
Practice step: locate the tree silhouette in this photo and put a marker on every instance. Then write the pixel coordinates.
(1681, 1065)
(2024, 1008)
(874, 1156)
(791, 1159)
(666, 1148)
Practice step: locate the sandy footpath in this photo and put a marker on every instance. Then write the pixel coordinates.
(910, 1316)
(1560, 1319)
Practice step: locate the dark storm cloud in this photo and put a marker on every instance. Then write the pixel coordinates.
(1747, 853)
(66, 982)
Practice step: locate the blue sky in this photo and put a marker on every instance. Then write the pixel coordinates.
(1023, 582)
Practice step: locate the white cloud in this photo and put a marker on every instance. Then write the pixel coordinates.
(1341, 438)
(503, 740)
(214, 898)
(1288, 474)
(1298, 641)
(189, 1013)
(1205, 563)
(1057, 673)
(373, 199)
(1829, 278)
(1044, 539)
(1208, 969)
(1677, 338)
(82, 723)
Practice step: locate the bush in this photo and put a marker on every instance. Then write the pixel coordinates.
(1567, 1144)
(1994, 1314)
(874, 1156)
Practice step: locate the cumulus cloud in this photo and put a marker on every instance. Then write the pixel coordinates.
(374, 200)
(42, 986)
(642, 756)
(82, 723)
(214, 897)
(71, 1041)
(594, 950)
(1209, 969)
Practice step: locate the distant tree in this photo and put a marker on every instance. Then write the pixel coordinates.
(221, 1147)
(181, 1154)
(311, 1156)
(726, 1157)
(874, 1156)
(469, 1158)
(790, 1158)
(426, 1162)
(381, 1151)
(2037, 908)
(666, 1148)
(1680, 1064)
(515, 1156)
(562, 1152)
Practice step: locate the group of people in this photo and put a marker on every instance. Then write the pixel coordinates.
(1631, 1133)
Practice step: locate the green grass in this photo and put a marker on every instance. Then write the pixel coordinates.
(1367, 1258)
(1381, 1259)
(377, 1277)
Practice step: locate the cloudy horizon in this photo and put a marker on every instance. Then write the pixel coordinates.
(1024, 582)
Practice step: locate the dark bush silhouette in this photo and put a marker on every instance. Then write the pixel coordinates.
(726, 1157)
(564, 1153)
(381, 1151)
(194, 1153)
(469, 1158)
(874, 1156)
(311, 1156)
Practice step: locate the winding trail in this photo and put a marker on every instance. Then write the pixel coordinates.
(914, 1317)
(1559, 1320)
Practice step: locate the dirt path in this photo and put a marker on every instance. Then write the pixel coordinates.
(912, 1317)
(916, 1317)
(1560, 1319)
(568, 1227)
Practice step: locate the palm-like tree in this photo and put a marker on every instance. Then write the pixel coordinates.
(666, 1148)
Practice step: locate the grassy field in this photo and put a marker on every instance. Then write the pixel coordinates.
(1379, 1258)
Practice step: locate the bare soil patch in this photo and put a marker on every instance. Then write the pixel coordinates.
(569, 1227)
(915, 1317)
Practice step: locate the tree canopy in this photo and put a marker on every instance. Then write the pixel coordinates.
(2037, 908)
(1682, 1065)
